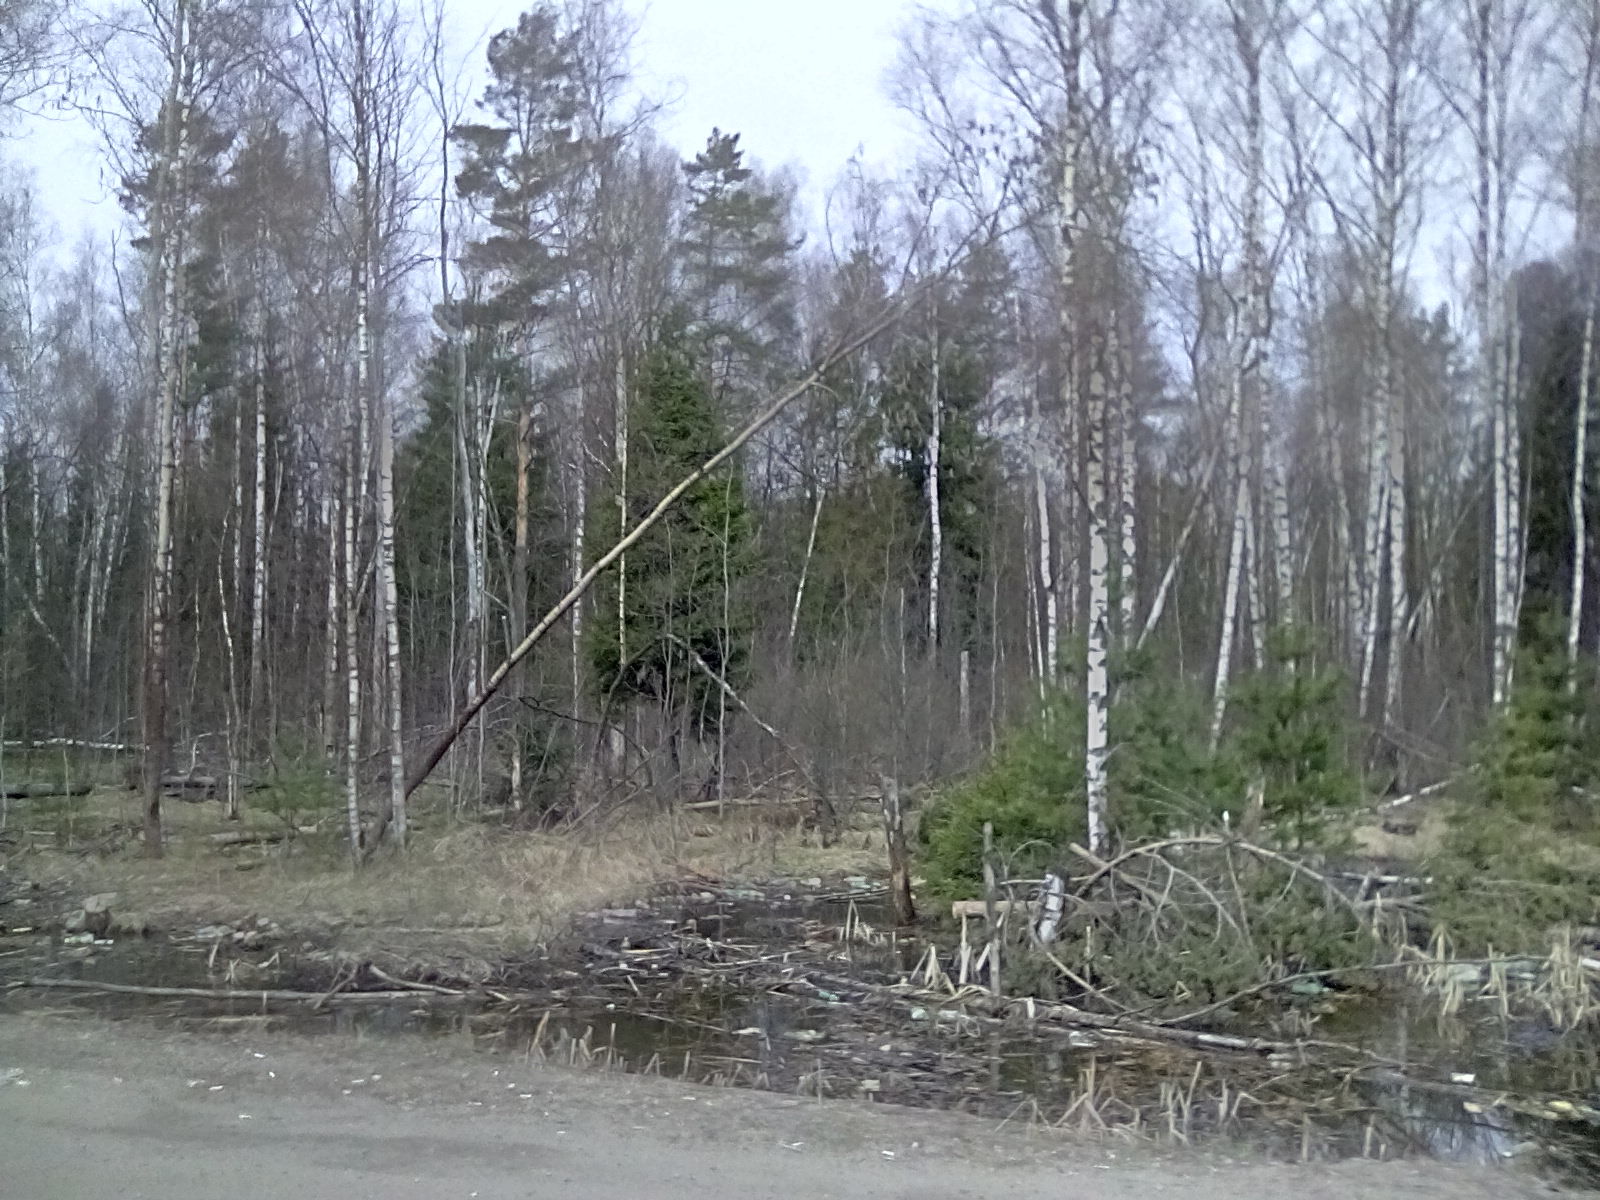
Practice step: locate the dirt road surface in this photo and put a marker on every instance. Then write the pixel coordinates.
(93, 1110)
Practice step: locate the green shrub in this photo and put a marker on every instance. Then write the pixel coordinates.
(1031, 789)
(1291, 735)
(1523, 851)
(1289, 732)
(301, 786)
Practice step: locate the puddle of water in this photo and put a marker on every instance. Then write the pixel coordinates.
(702, 1027)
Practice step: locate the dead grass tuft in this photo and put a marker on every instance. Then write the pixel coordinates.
(473, 883)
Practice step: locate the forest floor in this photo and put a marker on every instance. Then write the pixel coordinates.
(94, 1111)
(464, 889)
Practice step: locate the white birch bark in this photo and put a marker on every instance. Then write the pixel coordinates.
(1158, 605)
(1127, 489)
(333, 623)
(1049, 618)
(1097, 684)
(805, 567)
(1587, 28)
(580, 521)
(1488, 276)
(350, 603)
(173, 191)
(1580, 497)
(258, 581)
(932, 463)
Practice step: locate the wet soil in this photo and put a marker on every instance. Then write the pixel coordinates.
(785, 988)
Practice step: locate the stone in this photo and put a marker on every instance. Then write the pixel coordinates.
(76, 922)
(97, 912)
(130, 925)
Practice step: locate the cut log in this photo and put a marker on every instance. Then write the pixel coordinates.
(194, 788)
(67, 743)
(963, 909)
(265, 837)
(40, 791)
(248, 995)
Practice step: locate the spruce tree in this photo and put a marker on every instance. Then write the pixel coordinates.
(686, 614)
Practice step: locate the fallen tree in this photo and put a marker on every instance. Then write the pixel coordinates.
(606, 561)
(42, 791)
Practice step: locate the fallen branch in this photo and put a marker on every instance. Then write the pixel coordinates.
(263, 838)
(41, 791)
(69, 743)
(412, 985)
(1432, 789)
(263, 996)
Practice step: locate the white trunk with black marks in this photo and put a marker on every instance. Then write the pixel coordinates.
(1158, 605)
(387, 581)
(621, 419)
(1255, 595)
(805, 568)
(172, 216)
(1372, 578)
(1097, 683)
(1127, 491)
(1494, 375)
(332, 666)
(371, 392)
(468, 466)
(258, 540)
(1511, 389)
(1230, 601)
(932, 463)
(1384, 547)
(1580, 491)
(1049, 617)
(1587, 29)
(580, 521)
(350, 603)
(1283, 548)
(1395, 523)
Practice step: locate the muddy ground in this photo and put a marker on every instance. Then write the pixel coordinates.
(96, 1111)
(795, 988)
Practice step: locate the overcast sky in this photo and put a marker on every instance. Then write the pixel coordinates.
(801, 80)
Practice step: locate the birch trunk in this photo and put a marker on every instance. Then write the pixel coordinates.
(932, 456)
(1230, 606)
(354, 492)
(1127, 498)
(171, 243)
(1049, 618)
(520, 567)
(258, 574)
(332, 670)
(1494, 378)
(805, 568)
(621, 426)
(467, 468)
(580, 520)
(1097, 684)
(1159, 604)
(1580, 495)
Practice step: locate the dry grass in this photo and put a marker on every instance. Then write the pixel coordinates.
(496, 888)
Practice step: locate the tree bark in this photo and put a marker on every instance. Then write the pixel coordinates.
(169, 359)
(932, 463)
